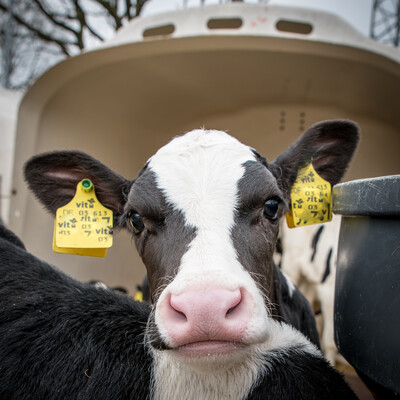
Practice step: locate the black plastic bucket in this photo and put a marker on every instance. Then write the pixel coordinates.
(367, 294)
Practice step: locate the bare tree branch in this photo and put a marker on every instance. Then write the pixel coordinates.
(139, 6)
(112, 11)
(52, 17)
(42, 32)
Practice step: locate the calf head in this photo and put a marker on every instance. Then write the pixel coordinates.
(204, 213)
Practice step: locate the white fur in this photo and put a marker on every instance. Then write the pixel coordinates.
(174, 378)
(199, 174)
(284, 337)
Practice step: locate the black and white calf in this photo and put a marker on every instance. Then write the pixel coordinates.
(225, 322)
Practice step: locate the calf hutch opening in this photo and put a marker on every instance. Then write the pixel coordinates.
(261, 77)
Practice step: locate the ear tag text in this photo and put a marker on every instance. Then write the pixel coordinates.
(83, 226)
(310, 199)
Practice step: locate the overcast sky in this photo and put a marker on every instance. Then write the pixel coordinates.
(356, 12)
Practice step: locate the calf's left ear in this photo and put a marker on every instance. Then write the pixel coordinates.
(53, 178)
(329, 144)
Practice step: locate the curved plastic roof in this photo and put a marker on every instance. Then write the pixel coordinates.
(248, 20)
(287, 29)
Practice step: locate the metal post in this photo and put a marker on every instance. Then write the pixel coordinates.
(385, 21)
(397, 35)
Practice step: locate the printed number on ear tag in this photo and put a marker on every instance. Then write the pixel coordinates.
(83, 226)
(310, 199)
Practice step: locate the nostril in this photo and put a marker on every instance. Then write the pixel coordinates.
(181, 316)
(230, 310)
(177, 310)
(235, 305)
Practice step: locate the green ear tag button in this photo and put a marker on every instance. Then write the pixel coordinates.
(310, 199)
(87, 185)
(83, 226)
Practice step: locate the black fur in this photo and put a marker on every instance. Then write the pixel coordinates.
(300, 376)
(294, 308)
(53, 177)
(330, 146)
(315, 240)
(61, 339)
(327, 266)
(255, 187)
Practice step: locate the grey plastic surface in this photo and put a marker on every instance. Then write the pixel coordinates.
(367, 293)
(368, 197)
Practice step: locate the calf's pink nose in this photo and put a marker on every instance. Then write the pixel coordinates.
(204, 315)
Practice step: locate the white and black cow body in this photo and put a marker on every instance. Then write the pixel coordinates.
(309, 259)
(204, 213)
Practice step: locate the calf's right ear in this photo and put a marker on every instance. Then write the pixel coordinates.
(330, 145)
(53, 178)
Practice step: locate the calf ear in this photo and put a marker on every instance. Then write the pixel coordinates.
(53, 178)
(329, 144)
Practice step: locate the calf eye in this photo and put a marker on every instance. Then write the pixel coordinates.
(136, 222)
(271, 207)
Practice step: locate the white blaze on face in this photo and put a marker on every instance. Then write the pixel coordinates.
(198, 174)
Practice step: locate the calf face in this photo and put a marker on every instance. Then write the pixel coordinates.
(204, 213)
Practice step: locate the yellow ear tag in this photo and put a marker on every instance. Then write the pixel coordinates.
(83, 226)
(138, 296)
(310, 199)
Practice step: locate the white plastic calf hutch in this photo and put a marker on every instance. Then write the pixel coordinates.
(263, 73)
(9, 102)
